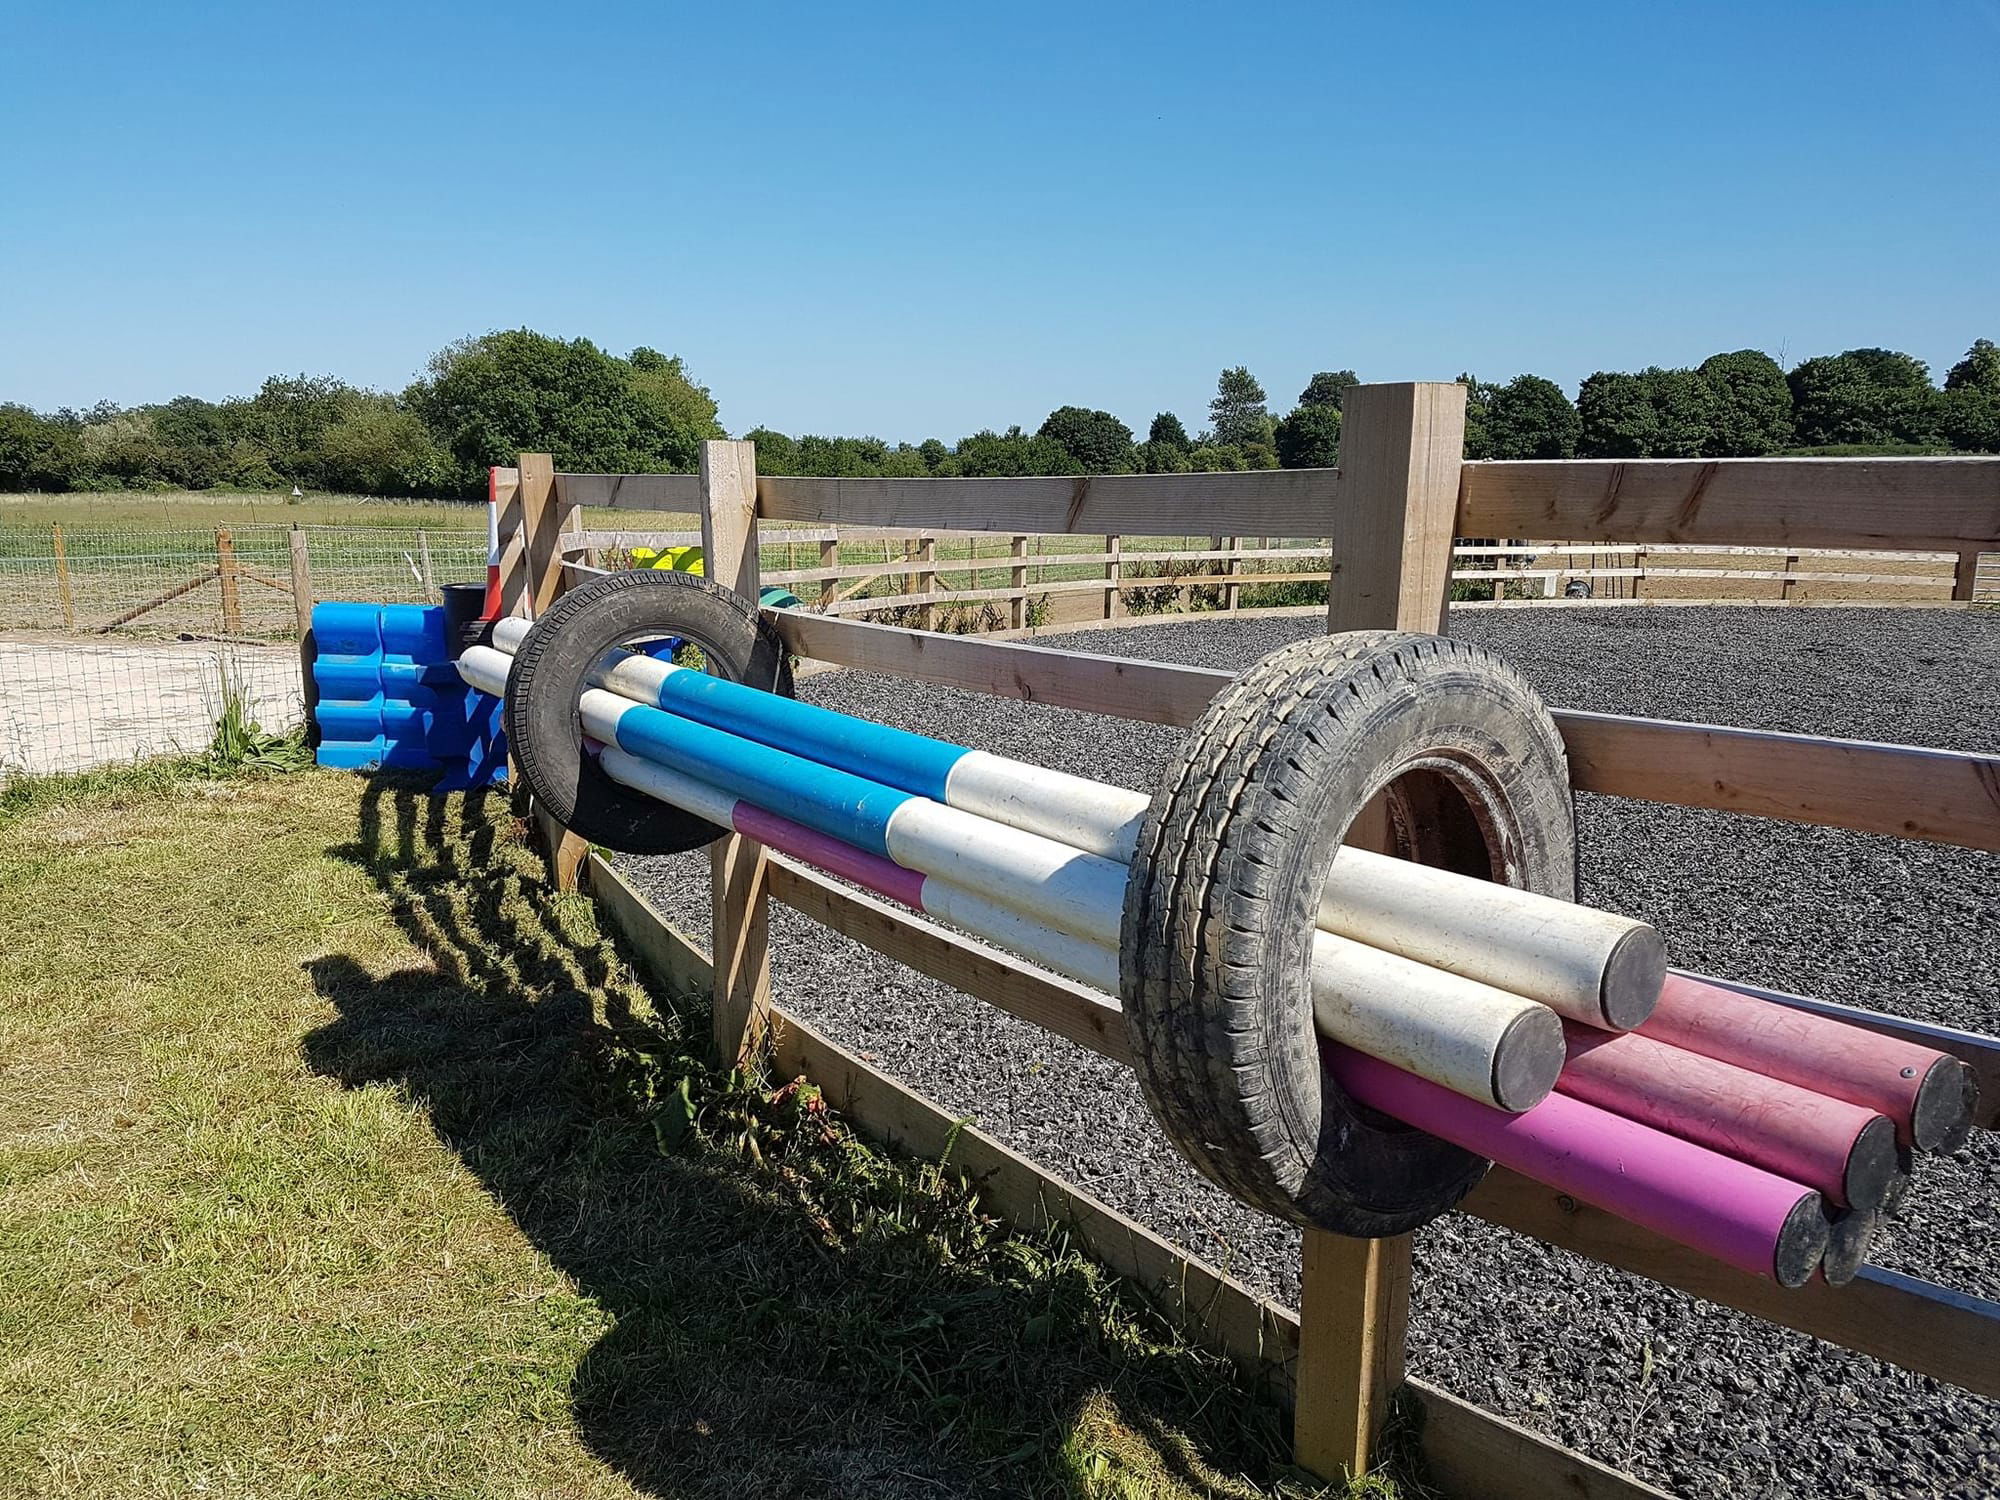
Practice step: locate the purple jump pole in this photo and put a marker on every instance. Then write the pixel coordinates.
(1728, 1210)
(882, 876)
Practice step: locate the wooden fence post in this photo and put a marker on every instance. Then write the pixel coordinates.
(541, 513)
(62, 581)
(1114, 600)
(541, 530)
(1965, 574)
(232, 587)
(302, 588)
(739, 896)
(1018, 579)
(927, 552)
(1231, 565)
(1400, 451)
(829, 557)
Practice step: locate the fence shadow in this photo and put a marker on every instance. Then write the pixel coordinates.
(754, 1352)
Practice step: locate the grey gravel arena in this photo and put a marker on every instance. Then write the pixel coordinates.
(1694, 1397)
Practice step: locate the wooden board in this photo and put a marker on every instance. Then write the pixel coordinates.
(1070, 1010)
(1153, 692)
(1941, 796)
(1933, 504)
(670, 492)
(1284, 502)
(666, 955)
(1930, 1329)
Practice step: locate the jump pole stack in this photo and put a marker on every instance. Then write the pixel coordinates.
(1733, 1163)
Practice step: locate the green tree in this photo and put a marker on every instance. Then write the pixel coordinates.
(1216, 458)
(1969, 417)
(1013, 454)
(1616, 415)
(1161, 458)
(382, 449)
(1863, 396)
(1325, 389)
(1528, 417)
(291, 414)
(935, 454)
(1309, 437)
(1238, 415)
(35, 452)
(1656, 413)
(1098, 441)
(491, 398)
(681, 412)
(1978, 371)
(1750, 405)
(1478, 403)
(197, 439)
(776, 453)
(1167, 429)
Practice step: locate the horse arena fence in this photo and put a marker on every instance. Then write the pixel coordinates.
(205, 612)
(1386, 519)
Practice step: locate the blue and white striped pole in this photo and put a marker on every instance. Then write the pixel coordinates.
(1589, 965)
(1057, 906)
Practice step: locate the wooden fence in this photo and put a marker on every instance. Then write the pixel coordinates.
(939, 578)
(1389, 513)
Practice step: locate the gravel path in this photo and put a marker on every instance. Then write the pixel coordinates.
(1692, 1396)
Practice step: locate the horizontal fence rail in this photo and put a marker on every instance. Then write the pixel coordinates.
(856, 571)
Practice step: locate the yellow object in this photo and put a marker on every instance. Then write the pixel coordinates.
(673, 560)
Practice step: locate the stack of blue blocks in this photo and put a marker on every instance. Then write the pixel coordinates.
(388, 696)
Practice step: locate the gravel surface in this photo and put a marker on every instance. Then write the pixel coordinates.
(1692, 1396)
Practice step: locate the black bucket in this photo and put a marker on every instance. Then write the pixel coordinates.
(463, 605)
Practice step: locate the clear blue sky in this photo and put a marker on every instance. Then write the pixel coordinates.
(920, 219)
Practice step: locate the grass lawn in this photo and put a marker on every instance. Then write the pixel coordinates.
(338, 1157)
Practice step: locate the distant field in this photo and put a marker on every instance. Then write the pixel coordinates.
(134, 510)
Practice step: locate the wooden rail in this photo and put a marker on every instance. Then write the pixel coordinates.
(1941, 796)
(1540, 563)
(1387, 519)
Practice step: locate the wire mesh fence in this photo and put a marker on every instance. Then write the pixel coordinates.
(68, 705)
(235, 581)
(122, 642)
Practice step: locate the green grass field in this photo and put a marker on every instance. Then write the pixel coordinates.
(125, 550)
(340, 1157)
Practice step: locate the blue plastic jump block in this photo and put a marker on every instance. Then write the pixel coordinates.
(388, 697)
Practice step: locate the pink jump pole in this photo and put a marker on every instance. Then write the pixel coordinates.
(1842, 1150)
(1929, 1095)
(1728, 1210)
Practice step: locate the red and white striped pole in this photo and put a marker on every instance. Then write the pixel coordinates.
(492, 610)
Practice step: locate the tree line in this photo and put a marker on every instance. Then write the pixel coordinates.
(484, 400)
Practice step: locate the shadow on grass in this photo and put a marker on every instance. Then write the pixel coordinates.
(801, 1318)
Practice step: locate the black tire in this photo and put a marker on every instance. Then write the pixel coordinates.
(545, 732)
(1221, 902)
